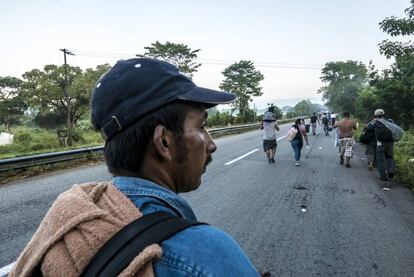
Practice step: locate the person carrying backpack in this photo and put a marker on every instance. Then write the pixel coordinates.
(325, 123)
(269, 127)
(385, 138)
(153, 120)
(367, 138)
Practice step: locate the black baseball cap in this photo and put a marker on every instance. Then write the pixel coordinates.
(136, 87)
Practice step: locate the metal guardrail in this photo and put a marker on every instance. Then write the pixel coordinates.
(55, 157)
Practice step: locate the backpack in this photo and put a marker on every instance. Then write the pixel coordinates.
(292, 133)
(325, 120)
(383, 133)
(395, 130)
(367, 136)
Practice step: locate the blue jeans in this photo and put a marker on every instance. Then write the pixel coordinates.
(297, 147)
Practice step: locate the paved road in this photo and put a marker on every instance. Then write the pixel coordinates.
(319, 219)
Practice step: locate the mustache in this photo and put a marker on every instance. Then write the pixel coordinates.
(208, 161)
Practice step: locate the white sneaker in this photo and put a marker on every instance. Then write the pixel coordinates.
(297, 163)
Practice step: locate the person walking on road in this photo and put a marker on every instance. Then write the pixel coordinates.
(153, 120)
(333, 118)
(384, 145)
(367, 137)
(314, 120)
(325, 123)
(269, 127)
(297, 142)
(346, 141)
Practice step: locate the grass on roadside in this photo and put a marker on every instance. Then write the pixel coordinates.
(31, 141)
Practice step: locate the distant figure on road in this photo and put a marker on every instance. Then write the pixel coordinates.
(314, 120)
(297, 142)
(325, 123)
(333, 118)
(346, 141)
(269, 127)
(152, 119)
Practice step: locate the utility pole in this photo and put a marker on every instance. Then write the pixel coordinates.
(66, 94)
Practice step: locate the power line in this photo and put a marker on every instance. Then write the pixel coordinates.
(95, 54)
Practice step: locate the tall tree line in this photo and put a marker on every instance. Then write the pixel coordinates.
(40, 92)
(360, 89)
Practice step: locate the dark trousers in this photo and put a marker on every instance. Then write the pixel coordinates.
(385, 158)
(325, 128)
(370, 153)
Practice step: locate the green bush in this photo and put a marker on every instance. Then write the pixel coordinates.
(23, 136)
(77, 136)
(404, 152)
(220, 119)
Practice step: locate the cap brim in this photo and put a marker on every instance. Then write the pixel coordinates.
(208, 97)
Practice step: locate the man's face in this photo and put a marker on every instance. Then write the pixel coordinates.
(193, 151)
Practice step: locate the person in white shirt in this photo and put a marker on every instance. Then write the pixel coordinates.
(333, 118)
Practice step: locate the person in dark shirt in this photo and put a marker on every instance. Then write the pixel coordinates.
(314, 120)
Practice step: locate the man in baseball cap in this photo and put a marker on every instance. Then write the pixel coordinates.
(379, 113)
(384, 145)
(153, 120)
(156, 145)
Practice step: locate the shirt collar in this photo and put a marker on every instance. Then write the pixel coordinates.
(137, 186)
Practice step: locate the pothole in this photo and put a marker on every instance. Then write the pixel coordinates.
(300, 187)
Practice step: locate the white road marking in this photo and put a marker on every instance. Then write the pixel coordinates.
(241, 157)
(6, 270)
(281, 138)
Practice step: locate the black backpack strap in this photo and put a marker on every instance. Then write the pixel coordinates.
(131, 240)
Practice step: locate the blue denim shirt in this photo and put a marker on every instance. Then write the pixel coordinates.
(196, 251)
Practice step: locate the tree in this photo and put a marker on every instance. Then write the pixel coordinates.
(304, 108)
(44, 89)
(343, 81)
(12, 105)
(395, 90)
(242, 79)
(275, 110)
(179, 55)
(366, 103)
(291, 114)
(398, 27)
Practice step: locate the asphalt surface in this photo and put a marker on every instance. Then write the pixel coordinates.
(318, 219)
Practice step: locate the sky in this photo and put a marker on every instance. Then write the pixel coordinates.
(289, 41)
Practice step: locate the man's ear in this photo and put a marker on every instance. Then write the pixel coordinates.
(163, 142)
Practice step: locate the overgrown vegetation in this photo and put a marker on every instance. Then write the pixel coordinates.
(30, 141)
(404, 153)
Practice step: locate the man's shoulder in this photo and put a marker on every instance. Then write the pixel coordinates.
(207, 250)
(206, 236)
